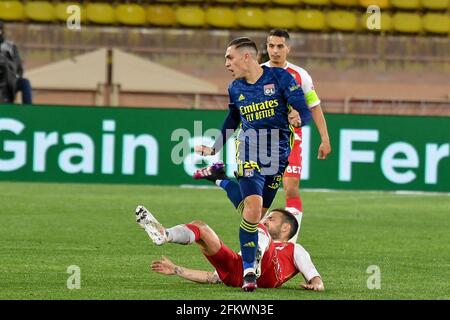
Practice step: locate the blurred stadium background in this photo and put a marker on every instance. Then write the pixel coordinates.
(161, 56)
(402, 69)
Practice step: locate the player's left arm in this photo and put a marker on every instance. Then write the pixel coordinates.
(321, 124)
(305, 266)
(313, 102)
(167, 267)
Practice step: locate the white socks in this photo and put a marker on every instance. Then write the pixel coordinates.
(180, 234)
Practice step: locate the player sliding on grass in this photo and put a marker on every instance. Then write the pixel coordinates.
(279, 260)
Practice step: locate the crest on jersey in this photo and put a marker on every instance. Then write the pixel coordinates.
(269, 89)
(249, 173)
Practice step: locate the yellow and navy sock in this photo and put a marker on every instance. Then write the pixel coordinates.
(248, 237)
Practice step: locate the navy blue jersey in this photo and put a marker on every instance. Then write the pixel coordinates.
(266, 103)
(265, 138)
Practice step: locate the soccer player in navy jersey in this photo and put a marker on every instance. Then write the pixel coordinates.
(261, 100)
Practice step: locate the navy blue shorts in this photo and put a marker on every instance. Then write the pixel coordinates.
(260, 173)
(264, 186)
(253, 181)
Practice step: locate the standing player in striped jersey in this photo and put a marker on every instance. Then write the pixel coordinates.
(278, 48)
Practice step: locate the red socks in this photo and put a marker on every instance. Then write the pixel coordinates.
(295, 203)
(195, 230)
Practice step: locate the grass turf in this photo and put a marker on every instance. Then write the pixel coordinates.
(45, 228)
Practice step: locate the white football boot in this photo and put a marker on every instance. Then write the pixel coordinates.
(259, 256)
(154, 229)
(263, 244)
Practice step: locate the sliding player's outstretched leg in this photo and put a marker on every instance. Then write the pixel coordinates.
(154, 229)
(180, 234)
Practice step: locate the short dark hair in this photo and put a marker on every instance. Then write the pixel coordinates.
(279, 33)
(243, 42)
(288, 218)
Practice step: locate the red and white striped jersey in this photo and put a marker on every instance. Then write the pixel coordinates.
(282, 261)
(304, 80)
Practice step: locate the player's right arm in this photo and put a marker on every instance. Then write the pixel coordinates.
(313, 102)
(304, 264)
(229, 125)
(321, 124)
(167, 267)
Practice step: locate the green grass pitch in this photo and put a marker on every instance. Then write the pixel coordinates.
(45, 228)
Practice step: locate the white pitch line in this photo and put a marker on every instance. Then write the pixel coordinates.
(395, 192)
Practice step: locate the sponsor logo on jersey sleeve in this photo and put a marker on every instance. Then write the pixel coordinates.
(294, 87)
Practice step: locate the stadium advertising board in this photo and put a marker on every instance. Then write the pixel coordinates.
(155, 146)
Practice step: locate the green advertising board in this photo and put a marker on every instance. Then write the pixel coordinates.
(155, 146)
